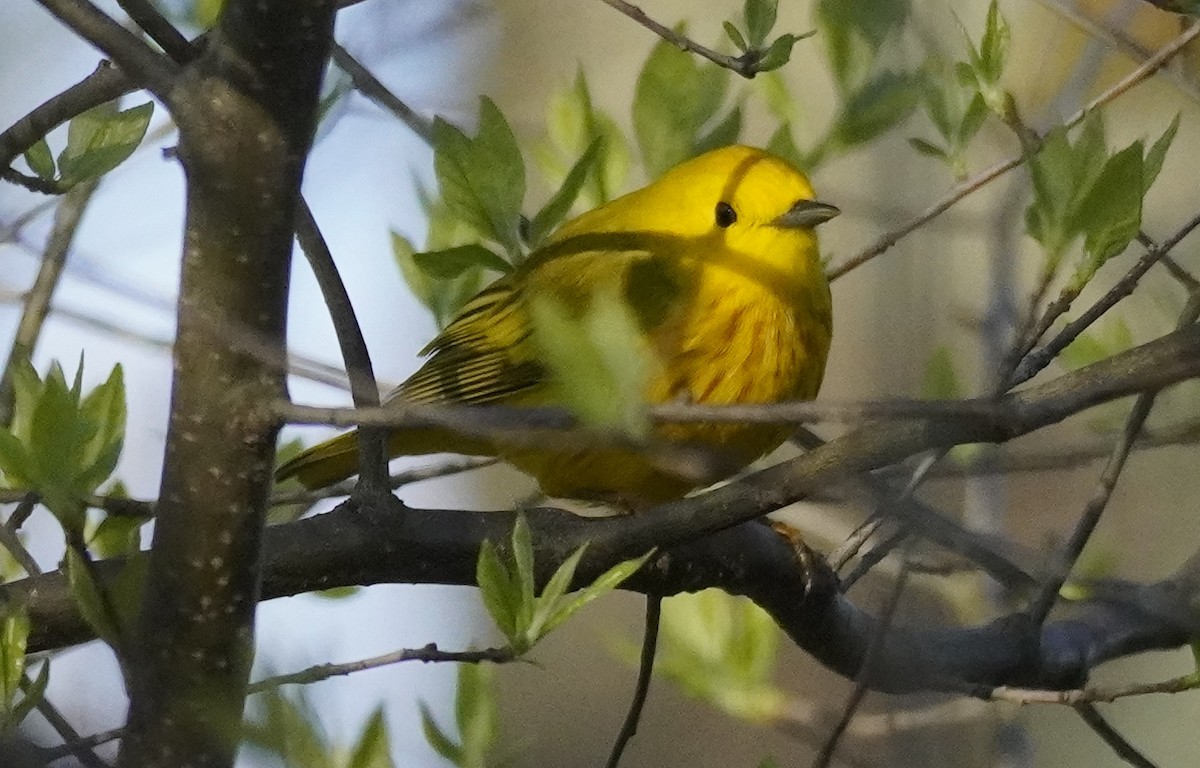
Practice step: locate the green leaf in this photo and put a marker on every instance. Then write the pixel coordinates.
(723, 134)
(452, 262)
(57, 445)
(99, 140)
(783, 145)
(972, 120)
(117, 536)
(1156, 154)
(418, 282)
(14, 632)
(854, 32)
(15, 462)
(928, 149)
(555, 210)
(735, 36)
(40, 160)
(674, 98)
(373, 748)
(522, 554)
(499, 590)
(993, 48)
(599, 363)
(941, 380)
(879, 105)
(89, 598)
(605, 583)
(476, 713)
(760, 19)
(437, 738)
(778, 53)
(547, 604)
(1111, 213)
(104, 411)
(482, 179)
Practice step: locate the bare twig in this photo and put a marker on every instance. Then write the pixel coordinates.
(1033, 362)
(977, 182)
(642, 688)
(1112, 737)
(147, 67)
(1040, 606)
(746, 65)
(371, 87)
(1071, 697)
(398, 480)
(37, 301)
(80, 748)
(372, 456)
(159, 29)
(430, 653)
(861, 685)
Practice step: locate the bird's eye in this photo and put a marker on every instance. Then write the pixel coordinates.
(725, 215)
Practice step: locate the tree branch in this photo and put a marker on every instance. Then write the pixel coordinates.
(246, 110)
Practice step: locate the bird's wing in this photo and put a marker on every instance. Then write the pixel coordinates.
(487, 354)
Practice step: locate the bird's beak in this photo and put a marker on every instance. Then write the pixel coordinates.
(806, 214)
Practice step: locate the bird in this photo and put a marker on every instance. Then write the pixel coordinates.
(718, 263)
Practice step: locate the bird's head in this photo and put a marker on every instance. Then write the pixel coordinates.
(736, 205)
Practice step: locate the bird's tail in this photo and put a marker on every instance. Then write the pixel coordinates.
(337, 459)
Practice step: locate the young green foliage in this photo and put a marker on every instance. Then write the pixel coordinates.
(476, 715)
(873, 98)
(675, 109)
(508, 587)
(14, 630)
(599, 361)
(97, 141)
(957, 113)
(722, 649)
(482, 178)
(1081, 191)
(573, 125)
(985, 63)
(61, 443)
(758, 19)
(288, 729)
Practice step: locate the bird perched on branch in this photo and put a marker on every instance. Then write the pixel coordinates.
(718, 264)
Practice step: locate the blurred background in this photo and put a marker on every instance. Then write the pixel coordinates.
(944, 299)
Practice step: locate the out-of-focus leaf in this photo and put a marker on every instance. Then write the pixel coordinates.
(40, 160)
(555, 210)
(452, 262)
(1153, 162)
(879, 105)
(99, 140)
(374, 746)
(941, 380)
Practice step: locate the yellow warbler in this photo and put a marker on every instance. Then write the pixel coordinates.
(718, 262)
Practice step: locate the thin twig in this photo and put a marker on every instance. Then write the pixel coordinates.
(1182, 684)
(398, 480)
(67, 218)
(371, 87)
(159, 29)
(642, 688)
(1047, 595)
(746, 65)
(67, 749)
(430, 653)
(1142, 72)
(142, 64)
(80, 748)
(863, 679)
(372, 443)
(1033, 362)
(1112, 737)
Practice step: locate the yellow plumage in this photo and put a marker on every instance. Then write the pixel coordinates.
(718, 262)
